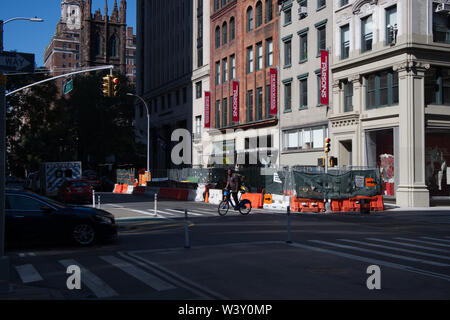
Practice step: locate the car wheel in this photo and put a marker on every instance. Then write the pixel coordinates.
(83, 234)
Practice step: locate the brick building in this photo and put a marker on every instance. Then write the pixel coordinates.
(244, 47)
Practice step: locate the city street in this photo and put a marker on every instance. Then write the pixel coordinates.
(244, 257)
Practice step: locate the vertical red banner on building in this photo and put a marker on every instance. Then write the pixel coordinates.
(273, 91)
(324, 77)
(207, 108)
(235, 101)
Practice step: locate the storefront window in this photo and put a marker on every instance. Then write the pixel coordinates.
(437, 86)
(437, 158)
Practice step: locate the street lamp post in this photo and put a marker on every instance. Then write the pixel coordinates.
(4, 262)
(148, 128)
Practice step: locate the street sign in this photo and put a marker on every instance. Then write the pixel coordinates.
(68, 86)
(16, 61)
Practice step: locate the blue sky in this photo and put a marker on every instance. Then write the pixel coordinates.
(33, 37)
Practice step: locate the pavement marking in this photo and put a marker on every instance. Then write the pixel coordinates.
(147, 278)
(397, 249)
(27, 254)
(426, 242)
(381, 253)
(430, 238)
(408, 245)
(175, 278)
(114, 205)
(28, 273)
(374, 261)
(182, 211)
(94, 283)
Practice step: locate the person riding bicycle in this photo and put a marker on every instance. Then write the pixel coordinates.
(233, 183)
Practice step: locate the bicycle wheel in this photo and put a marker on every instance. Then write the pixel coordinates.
(245, 208)
(223, 208)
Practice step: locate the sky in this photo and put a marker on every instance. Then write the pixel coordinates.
(33, 37)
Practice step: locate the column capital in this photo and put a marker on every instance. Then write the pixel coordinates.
(355, 78)
(411, 65)
(336, 84)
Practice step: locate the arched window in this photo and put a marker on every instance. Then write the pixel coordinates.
(98, 45)
(224, 33)
(217, 36)
(259, 14)
(232, 28)
(249, 19)
(113, 47)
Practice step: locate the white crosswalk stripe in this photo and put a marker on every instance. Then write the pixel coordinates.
(381, 253)
(425, 242)
(181, 212)
(28, 273)
(94, 283)
(147, 278)
(430, 238)
(408, 245)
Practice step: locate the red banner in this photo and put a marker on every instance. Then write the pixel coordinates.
(324, 77)
(235, 101)
(207, 108)
(273, 91)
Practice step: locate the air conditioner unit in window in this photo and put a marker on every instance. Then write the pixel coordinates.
(392, 34)
(302, 12)
(443, 8)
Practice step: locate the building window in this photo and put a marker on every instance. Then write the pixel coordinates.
(224, 70)
(216, 5)
(321, 39)
(269, 10)
(287, 16)
(321, 4)
(303, 83)
(441, 24)
(198, 126)
(303, 9)
(287, 52)
(184, 94)
(348, 96)
(345, 41)
(217, 113)
(366, 34)
(303, 46)
(381, 89)
(304, 138)
(319, 87)
(224, 33)
(259, 14)
(437, 86)
(224, 112)
(217, 72)
(269, 52)
(198, 91)
(287, 96)
(64, 55)
(343, 2)
(217, 37)
(232, 67)
(249, 19)
(249, 60)
(199, 57)
(249, 105)
(163, 104)
(231, 110)
(232, 27)
(259, 56)
(169, 102)
(113, 47)
(391, 25)
(177, 96)
(259, 103)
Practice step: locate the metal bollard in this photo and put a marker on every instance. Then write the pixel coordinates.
(98, 201)
(93, 198)
(186, 230)
(289, 224)
(156, 206)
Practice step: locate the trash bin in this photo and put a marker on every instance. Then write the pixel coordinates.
(364, 206)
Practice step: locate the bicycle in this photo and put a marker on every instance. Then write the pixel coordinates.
(244, 206)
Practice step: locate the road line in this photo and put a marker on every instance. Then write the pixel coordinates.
(426, 242)
(430, 238)
(374, 261)
(182, 211)
(28, 273)
(381, 253)
(397, 249)
(94, 283)
(408, 245)
(147, 278)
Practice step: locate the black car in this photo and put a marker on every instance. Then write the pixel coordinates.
(32, 217)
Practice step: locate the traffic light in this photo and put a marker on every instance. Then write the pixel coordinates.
(327, 145)
(115, 85)
(332, 161)
(107, 86)
(321, 161)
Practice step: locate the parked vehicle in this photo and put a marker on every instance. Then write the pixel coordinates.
(75, 191)
(30, 217)
(53, 174)
(91, 177)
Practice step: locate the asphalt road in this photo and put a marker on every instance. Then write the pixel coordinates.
(247, 257)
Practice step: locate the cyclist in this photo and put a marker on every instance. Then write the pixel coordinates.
(233, 183)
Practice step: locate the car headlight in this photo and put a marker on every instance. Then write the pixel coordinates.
(103, 219)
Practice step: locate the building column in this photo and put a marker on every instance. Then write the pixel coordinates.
(411, 190)
(357, 152)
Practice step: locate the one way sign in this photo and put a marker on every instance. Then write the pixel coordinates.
(16, 61)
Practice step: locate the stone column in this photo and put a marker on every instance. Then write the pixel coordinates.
(337, 105)
(357, 145)
(412, 191)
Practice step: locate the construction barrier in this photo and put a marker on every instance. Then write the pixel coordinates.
(130, 189)
(354, 204)
(199, 193)
(255, 198)
(307, 205)
(117, 188)
(215, 196)
(124, 189)
(268, 199)
(173, 194)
